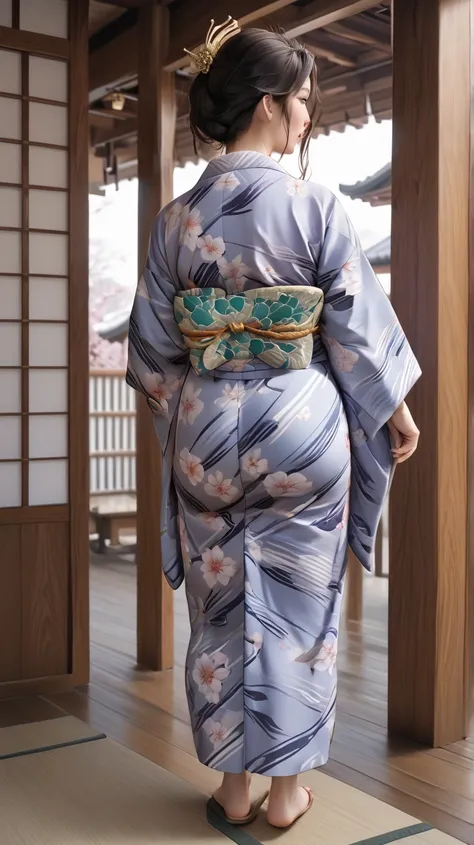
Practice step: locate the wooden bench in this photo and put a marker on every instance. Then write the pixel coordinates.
(111, 517)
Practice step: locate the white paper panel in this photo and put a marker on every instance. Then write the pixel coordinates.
(48, 436)
(48, 481)
(48, 298)
(49, 210)
(10, 391)
(10, 72)
(10, 297)
(10, 252)
(48, 79)
(10, 163)
(6, 12)
(10, 207)
(48, 167)
(48, 345)
(48, 254)
(10, 437)
(48, 124)
(48, 391)
(10, 118)
(46, 16)
(10, 344)
(10, 485)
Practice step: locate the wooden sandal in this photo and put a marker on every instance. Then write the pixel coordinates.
(300, 815)
(218, 809)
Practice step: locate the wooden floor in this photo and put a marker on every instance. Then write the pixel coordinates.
(147, 712)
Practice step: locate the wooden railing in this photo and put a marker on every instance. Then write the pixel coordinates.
(112, 427)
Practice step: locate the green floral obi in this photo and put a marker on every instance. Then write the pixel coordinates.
(275, 324)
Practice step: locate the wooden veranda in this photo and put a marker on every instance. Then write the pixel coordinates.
(128, 118)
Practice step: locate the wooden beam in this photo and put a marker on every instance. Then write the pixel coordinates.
(110, 114)
(189, 22)
(360, 35)
(121, 130)
(429, 289)
(470, 466)
(112, 63)
(156, 131)
(127, 4)
(331, 55)
(320, 13)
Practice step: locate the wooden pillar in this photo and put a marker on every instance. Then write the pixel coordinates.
(470, 463)
(430, 280)
(156, 130)
(354, 589)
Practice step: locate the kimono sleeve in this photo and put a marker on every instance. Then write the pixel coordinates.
(369, 354)
(374, 367)
(157, 366)
(157, 355)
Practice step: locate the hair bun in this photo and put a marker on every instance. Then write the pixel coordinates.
(252, 63)
(206, 114)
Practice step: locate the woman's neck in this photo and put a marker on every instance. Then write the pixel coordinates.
(250, 143)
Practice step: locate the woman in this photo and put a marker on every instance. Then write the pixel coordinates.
(264, 422)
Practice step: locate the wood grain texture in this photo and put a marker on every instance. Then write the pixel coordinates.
(53, 685)
(189, 22)
(354, 589)
(45, 600)
(314, 15)
(78, 342)
(21, 711)
(156, 129)
(430, 179)
(33, 42)
(10, 602)
(40, 513)
(469, 663)
(112, 62)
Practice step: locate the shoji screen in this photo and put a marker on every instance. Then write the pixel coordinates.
(43, 340)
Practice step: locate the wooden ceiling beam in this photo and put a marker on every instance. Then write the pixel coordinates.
(111, 114)
(99, 137)
(189, 22)
(357, 35)
(298, 21)
(112, 63)
(330, 55)
(127, 4)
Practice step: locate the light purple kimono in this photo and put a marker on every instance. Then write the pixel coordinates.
(268, 472)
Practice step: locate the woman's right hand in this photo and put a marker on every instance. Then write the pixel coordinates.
(404, 434)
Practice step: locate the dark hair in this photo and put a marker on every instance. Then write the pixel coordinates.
(252, 63)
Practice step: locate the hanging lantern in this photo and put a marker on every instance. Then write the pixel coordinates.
(117, 101)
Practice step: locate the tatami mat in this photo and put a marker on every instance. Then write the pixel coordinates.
(61, 782)
(433, 837)
(98, 793)
(34, 736)
(341, 815)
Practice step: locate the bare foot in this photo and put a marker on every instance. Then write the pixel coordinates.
(284, 810)
(233, 795)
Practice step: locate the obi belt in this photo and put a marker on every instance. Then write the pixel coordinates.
(275, 324)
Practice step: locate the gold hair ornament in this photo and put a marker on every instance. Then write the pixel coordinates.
(215, 38)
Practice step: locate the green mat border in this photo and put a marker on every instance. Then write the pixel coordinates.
(26, 752)
(240, 836)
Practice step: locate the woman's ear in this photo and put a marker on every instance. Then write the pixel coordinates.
(266, 107)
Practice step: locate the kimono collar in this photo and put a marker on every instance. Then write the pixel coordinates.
(239, 161)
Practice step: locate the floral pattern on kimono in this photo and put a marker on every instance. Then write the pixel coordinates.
(268, 472)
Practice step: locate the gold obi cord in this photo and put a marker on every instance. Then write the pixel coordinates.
(279, 332)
